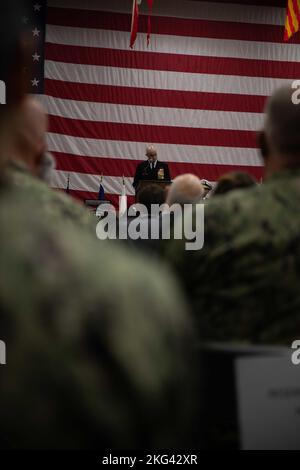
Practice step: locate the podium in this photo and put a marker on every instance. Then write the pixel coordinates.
(144, 183)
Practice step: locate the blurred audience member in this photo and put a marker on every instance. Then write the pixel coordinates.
(97, 340)
(30, 145)
(31, 166)
(244, 283)
(151, 194)
(185, 189)
(31, 125)
(232, 181)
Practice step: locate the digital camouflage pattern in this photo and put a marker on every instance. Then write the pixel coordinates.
(244, 285)
(54, 205)
(96, 339)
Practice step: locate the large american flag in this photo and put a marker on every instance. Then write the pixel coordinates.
(197, 92)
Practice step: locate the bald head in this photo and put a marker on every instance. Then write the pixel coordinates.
(186, 189)
(31, 127)
(282, 124)
(151, 152)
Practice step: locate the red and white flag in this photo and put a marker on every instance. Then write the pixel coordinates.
(199, 94)
(134, 22)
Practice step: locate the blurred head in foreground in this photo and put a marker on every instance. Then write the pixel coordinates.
(151, 194)
(280, 139)
(232, 181)
(31, 128)
(185, 189)
(15, 48)
(23, 121)
(31, 124)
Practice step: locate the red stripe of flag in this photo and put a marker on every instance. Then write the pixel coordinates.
(163, 25)
(155, 98)
(173, 62)
(153, 133)
(111, 166)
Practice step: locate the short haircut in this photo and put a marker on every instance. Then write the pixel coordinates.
(232, 181)
(151, 194)
(282, 125)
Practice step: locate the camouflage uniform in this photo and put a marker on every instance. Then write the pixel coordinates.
(244, 283)
(54, 205)
(96, 339)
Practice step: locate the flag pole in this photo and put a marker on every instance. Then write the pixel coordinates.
(123, 199)
(101, 194)
(68, 184)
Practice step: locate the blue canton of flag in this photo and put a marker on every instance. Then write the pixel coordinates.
(34, 21)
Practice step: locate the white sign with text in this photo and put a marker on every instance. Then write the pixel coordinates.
(268, 390)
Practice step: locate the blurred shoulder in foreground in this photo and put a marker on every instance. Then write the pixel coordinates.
(97, 340)
(30, 167)
(97, 343)
(244, 283)
(52, 205)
